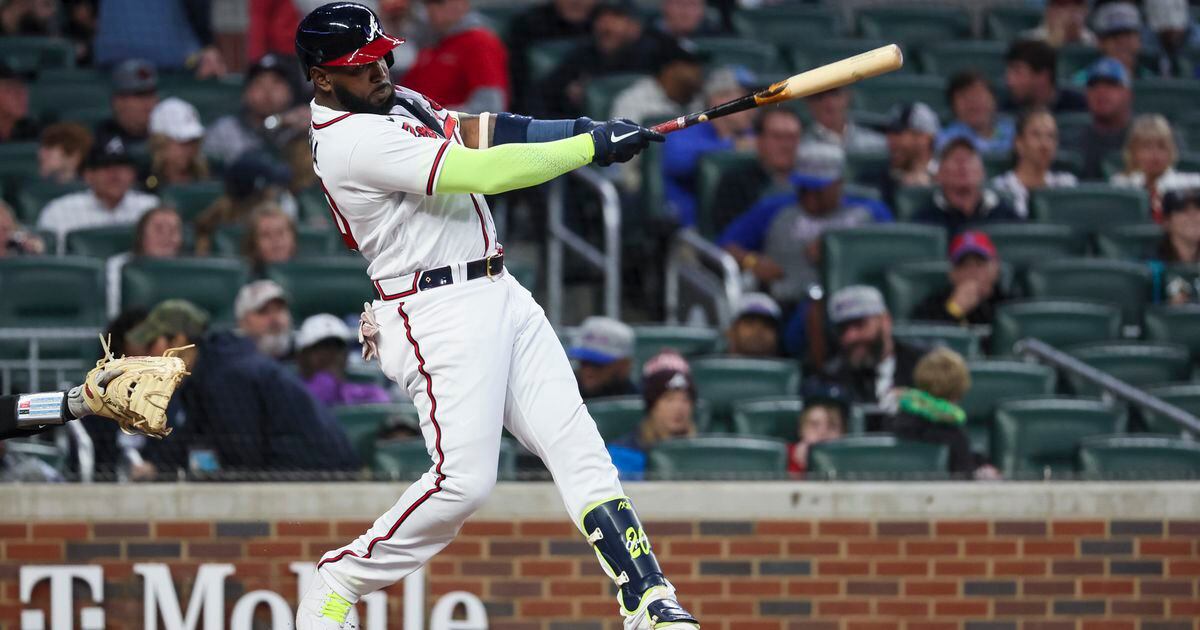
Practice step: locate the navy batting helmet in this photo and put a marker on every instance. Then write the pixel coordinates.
(342, 34)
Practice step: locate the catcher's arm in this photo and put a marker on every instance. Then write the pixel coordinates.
(23, 415)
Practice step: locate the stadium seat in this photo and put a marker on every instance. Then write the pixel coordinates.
(603, 90)
(723, 381)
(993, 381)
(1060, 323)
(408, 459)
(192, 199)
(212, 98)
(33, 195)
(915, 25)
(363, 424)
(718, 456)
(100, 242)
(501, 15)
(1033, 435)
(861, 165)
(1126, 284)
(1023, 244)
(784, 24)
(338, 285)
(311, 242)
(708, 176)
(961, 339)
(910, 200)
(910, 284)
(758, 56)
(877, 456)
(882, 93)
(18, 163)
(946, 58)
(542, 58)
(1090, 206)
(1073, 59)
(768, 417)
(616, 416)
(51, 101)
(1004, 23)
(1175, 324)
(1137, 363)
(209, 283)
(690, 341)
(29, 55)
(863, 254)
(44, 291)
(1124, 457)
(1186, 396)
(1129, 242)
(1169, 97)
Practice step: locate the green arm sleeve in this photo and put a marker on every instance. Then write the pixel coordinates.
(511, 166)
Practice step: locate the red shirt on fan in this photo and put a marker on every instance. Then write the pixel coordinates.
(454, 68)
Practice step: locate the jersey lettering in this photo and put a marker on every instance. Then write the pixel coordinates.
(420, 131)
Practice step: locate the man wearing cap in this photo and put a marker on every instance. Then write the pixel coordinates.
(960, 201)
(670, 396)
(109, 200)
(974, 291)
(1110, 102)
(270, 117)
(261, 309)
(1064, 22)
(755, 329)
(1169, 32)
(604, 351)
(249, 411)
(134, 95)
(674, 88)
(465, 66)
(1119, 27)
(15, 123)
(910, 132)
(777, 134)
(1030, 68)
(322, 349)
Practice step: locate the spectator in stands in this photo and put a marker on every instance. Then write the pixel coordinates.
(134, 95)
(29, 17)
(252, 180)
(1119, 27)
(60, 155)
(1034, 151)
(1110, 102)
(670, 395)
(974, 291)
(974, 107)
(1029, 75)
(110, 198)
(271, 27)
(777, 137)
(685, 19)
(16, 125)
(1064, 22)
(249, 412)
(465, 67)
(911, 130)
(1150, 156)
(14, 240)
(1181, 227)
(832, 130)
(175, 134)
(683, 149)
(171, 34)
(158, 234)
(270, 117)
(553, 20)
(870, 362)
(604, 352)
(822, 420)
(960, 201)
(1171, 33)
(270, 238)
(617, 45)
(79, 26)
(755, 329)
(263, 316)
(322, 350)
(675, 87)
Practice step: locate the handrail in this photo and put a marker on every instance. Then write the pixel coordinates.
(607, 261)
(688, 241)
(35, 363)
(1057, 359)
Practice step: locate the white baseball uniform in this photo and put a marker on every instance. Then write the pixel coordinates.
(475, 356)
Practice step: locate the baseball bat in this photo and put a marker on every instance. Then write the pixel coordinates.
(827, 77)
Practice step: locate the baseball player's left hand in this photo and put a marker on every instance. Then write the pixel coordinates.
(619, 140)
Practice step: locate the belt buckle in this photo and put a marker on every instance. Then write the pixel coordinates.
(487, 267)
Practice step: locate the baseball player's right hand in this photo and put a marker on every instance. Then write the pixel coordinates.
(619, 140)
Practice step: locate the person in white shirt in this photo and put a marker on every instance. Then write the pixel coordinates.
(1034, 149)
(158, 234)
(1150, 154)
(832, 133)
(1064, 22)
(109, 200)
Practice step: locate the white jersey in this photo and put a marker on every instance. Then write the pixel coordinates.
(379, 173)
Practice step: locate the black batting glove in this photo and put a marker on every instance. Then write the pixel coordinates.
(619, 140)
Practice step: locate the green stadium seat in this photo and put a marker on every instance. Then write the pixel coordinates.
(723, 381)
(209, 283)
(1089, 206)
(18, 163)
(213, 98)
(1169, 97)
(44, 291)
(1023, 244)
(861, 255)
(542, 58)
(1067, 160)
(32, 54)
(1073, 59)
(616, 416)
(1072, 125)
(408, 459)
(877, 456)
(993, 381)
(1004, 23)
(1175, 324)
(1037, 434)
(33, 196)
(882, 93)
(73, 74)
(192, 199)
(1126, 284)
(1129, 242)
(915, 25)
(501, 16)
(1060, 323)
(338, 285)
(961, 339)
(861, 165)
(708, 176)
(946, 58)
(717, 457)
(1186, 396)
(601, 91)
(89, 116)
(311, 242)
(1136, 363)
(313, 208)
(363, 424)
(1125, 457)
(737, 51)
(653, 195)
(51, 101)
(768, 417)
(100, 242)
(910, 284)
(784, 24)
(910, 200)
(690, 341)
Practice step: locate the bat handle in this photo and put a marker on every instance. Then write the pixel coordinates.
(675, 124)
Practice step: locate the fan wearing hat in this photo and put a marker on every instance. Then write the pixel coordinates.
(253, 180)
(603, 350)
(754, 331)
(175, 135)
(134, 95)
(960, 201)
(670, 396)
(1109, 95)
(678, 79)
(1174, 32)
(109, 200)
(270, 117)
(322, 350)
(1119, 28)
(974, 291)
(910, 131)
(263, 316)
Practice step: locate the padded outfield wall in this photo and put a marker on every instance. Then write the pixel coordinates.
(745, 556)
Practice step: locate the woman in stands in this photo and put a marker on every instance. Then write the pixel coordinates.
(158, 234)
(270, 238)
(1150, 155)
(1180, 245)
(175, 135)
(1034, 149)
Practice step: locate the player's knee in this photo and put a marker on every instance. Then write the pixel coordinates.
(472, 489)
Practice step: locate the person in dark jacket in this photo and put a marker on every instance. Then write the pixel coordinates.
(974, 291)
(241, 410)
(960, 201)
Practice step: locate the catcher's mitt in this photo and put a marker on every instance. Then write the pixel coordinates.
(134, 391)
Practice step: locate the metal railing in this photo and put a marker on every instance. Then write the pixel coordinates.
(34, 364)
(607, 261)
(1114, 387)
(708, 269)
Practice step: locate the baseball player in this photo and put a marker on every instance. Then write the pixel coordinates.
(405, 180)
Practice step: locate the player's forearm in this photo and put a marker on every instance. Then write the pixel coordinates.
(22, 415)
(511, 166)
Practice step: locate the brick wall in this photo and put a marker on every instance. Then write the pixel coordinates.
(765, 575)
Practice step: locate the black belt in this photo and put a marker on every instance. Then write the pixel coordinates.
(442, 276)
